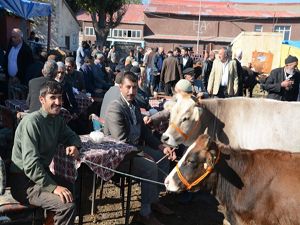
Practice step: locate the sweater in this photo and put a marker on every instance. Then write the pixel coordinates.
(36, 141)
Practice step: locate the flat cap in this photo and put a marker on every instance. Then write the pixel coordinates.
(291, 59)
(189, 71)
(136, 70)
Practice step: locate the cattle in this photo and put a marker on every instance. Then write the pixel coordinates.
(250, 123)
(250, 79)
(258, 187)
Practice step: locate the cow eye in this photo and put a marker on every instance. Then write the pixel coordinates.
(190, 161)
(185, 119)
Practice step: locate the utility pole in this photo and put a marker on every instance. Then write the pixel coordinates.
(198, 31)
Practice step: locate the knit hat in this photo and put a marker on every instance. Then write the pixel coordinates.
(291, 59)
(184, 85)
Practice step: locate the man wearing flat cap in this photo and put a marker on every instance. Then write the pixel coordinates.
(197, 85)
(283, 83)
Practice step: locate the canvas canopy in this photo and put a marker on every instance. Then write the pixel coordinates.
(26, 9)
(289, 48)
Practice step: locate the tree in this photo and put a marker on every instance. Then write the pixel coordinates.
(106, 15)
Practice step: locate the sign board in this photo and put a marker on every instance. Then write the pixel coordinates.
(262, 61)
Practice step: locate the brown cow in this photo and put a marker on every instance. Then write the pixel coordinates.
(258, 187)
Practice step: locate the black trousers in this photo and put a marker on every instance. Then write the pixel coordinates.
(169, 87)
(27, 192)
(222, 93)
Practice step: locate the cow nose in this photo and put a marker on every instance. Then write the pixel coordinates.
(164, 138)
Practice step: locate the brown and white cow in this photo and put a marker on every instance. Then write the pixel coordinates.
(240, 122)
(254, 187)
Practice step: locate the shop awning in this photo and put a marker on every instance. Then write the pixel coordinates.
(26, 9)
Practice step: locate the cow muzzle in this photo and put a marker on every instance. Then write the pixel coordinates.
(169, 140)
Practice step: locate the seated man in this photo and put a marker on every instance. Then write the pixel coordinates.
(124, 122)
(74, 77)
(143, 94)
(197, 85)
(49, 71)
(36, 141)
(69, 101)
(112, 94)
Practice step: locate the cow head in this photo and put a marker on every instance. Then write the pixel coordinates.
(194, 168)
(184, 121)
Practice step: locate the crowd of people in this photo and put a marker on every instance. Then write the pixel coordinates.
(124, 85)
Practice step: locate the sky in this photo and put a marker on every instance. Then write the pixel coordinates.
(265, 1)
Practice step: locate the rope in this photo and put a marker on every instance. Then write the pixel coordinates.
(124, 174)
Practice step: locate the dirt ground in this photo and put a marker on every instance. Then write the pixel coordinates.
(202, 210)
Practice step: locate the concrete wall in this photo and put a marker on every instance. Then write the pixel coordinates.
(260, 42)
(67, 27)
(62, 24)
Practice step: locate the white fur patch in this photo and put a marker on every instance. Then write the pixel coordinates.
(169, 181)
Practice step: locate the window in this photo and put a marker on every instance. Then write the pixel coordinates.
(133, 34)
(110, 32)
(258, 28)
(115, 34)
(89, 31)
(122, 33)
(286, 30)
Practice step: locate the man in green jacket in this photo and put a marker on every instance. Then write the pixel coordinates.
(36, 141)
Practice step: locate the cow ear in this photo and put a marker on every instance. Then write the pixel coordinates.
(197, 113)
(211, 155)
(169, 105)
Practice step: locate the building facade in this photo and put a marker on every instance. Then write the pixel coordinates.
(207, 25)
(201, 25)
(129, 32)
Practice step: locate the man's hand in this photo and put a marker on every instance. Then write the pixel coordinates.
(147, 120)
(287, 84)
(64, 194)
(169, 152)
(72, 151)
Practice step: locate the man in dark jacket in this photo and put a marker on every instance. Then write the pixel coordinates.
(185, 60)
(124, 122)
(207, 66)
(158, 63)
(49, 71)
(240, 71)
(283, 83)
(18, 58)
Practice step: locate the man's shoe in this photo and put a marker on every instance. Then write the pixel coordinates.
(160, 208)
(147, 220)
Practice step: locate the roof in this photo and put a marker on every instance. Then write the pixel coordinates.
(188, 38)
(224, 9)
(292, 43)
(133, 15)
